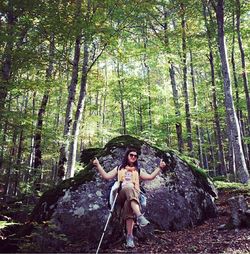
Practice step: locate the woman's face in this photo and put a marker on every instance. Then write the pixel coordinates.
(132, 157)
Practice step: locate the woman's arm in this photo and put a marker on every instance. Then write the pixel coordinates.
(110, 175)
(146, 176)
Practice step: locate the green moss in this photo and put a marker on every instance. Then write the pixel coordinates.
(222, 185)
(124, 141)
(196, 169)
(220, 178)
(5, 224)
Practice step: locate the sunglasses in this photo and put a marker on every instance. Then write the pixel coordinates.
(133, 155)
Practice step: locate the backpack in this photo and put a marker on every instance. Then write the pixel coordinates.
(113, 187)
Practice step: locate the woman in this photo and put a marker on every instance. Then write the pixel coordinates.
(128, 197)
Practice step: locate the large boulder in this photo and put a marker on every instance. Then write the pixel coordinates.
(178, 198)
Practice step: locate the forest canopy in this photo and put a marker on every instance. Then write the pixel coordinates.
(75, 74)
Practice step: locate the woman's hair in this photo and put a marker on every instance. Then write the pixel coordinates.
(125, 158)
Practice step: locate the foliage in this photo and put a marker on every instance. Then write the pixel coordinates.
(44, 238)
(194, 164)
(5, 224)
(131, 47)
(224, 185)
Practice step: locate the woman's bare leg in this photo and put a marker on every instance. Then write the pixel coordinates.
(136, 208)
(129, 226)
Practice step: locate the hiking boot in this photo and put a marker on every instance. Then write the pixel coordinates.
(142, 221)
(130, 241)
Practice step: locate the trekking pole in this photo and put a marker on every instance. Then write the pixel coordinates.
(110, 214)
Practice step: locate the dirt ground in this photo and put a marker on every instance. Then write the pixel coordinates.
(206, 238)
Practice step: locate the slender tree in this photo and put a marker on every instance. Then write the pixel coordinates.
(195, 105)
(178, 124)
(243, 60)
(40, 118)
(79, 112)
(232, 120)
(221, 156)
(244, 75)
(121, 91)
(71, 97)
(185, 85)
(237, 95)
(7, 58)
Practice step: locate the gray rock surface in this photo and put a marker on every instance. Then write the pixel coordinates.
(177, 199)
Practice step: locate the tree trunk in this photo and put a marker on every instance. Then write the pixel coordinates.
(244, 76)
(212, 159)
(38, 133)
(237, 97)
(78, 115)
(236, 84)
(6, 166)
(20, 148)
(10, 166)
(243, 62)
(221, 155)
(105, 95)
(204, 154)
(141, 112)
(32, 150)
(146, 72)
(121, 85)
(178, 124)
(185, 87)
(149, 95)
(64, 150)
(233, 124)
(7, 58)
(197, 128)
(3, 141)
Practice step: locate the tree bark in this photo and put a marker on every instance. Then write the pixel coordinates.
(233, 124)
(20, 149)
(78, 115)
(236, 84)
(243, 62)
(149, 94)
(40, 119)
(204, 154)
(121, 85)
(64, 150)
(141, 112)
(7, 58)
(32, 148)
(7, 165)
(239, 112)
(185, 88)
(178, 124)
(105, 95)
(244, 77)
(146, 72)
(221, 155)
(212, 159)
(195, 105)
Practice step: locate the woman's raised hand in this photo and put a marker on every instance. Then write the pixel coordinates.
(95, 162)
(162, 164)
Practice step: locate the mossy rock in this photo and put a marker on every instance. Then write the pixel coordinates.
(177, 198)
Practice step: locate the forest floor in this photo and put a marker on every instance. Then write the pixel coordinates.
(206, 238)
